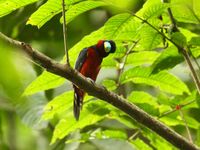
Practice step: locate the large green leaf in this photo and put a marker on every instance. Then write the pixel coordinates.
(150, 38)
(142, 58)
(163, 80)
(195, 41)
(44, 82)
(147, 6)
(179, 39)
(186, 10)
(119, 25)
(168, 59)
(80, 8)
(140, 145)
(8, 6)
(155, 10)
(174, 120)
(48, 11)
(91, 113)
(145, 101)
(58, 105)
(142, 97)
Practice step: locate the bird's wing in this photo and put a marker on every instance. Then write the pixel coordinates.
(81, 59)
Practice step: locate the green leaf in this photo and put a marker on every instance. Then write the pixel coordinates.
(58, 105)
(142, 58)
(177, 120)
(150, 38)
(119, 25)
(195, 41)
(110, 84)
(195, 51)
(44, 82)
(45, 13)
(163, 80)
(142, 97)
(147, 5)
(8, 6)
(80, 8)
(91, 113)
(186, 10)
(168, 59)
(179, 39)
(140, 145)
(48, 11)
(117, 134)
(155, 10)
(145, 101)
(157, 141)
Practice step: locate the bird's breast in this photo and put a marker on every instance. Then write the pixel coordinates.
(92, 64)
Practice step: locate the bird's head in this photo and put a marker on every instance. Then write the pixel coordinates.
(105, 47)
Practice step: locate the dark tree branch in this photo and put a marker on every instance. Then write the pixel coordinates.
(103, 94)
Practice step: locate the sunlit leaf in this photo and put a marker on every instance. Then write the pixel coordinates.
(80, 8)
(110, 84)
(155, 11)
(58, 105)
(169, 58)
(44, 82)
(140, 145)
(163, 80)
(91, 113)
(142, 58)
(117, 134)
(150, 38)
(179, 39)
(117, 26)
(8, 6)
(186, 10)
(48, 11)
(142, 97)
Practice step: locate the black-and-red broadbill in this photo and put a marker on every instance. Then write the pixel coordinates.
(88, 64)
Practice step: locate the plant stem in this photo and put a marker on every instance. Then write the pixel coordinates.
(183, 105)
(186, 125)
(65, 32)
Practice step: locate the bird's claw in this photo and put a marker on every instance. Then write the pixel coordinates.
(90, 80)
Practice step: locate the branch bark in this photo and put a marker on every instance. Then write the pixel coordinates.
(103, 94)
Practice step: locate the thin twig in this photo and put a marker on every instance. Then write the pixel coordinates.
(122, 62)
(186, 125)
(183, 105)
(65, 32)
(124, 59)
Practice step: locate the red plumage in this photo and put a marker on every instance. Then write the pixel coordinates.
(88, 64)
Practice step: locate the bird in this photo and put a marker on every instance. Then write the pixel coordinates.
(88, 64)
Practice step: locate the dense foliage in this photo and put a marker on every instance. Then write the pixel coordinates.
(148, 70)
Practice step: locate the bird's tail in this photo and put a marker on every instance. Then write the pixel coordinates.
(78, 101)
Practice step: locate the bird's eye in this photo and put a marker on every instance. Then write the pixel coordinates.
(107, 47)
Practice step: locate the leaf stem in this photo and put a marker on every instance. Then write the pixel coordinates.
(186, 125)
(183, 105)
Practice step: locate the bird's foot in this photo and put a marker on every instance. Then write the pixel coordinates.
(90, 80)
